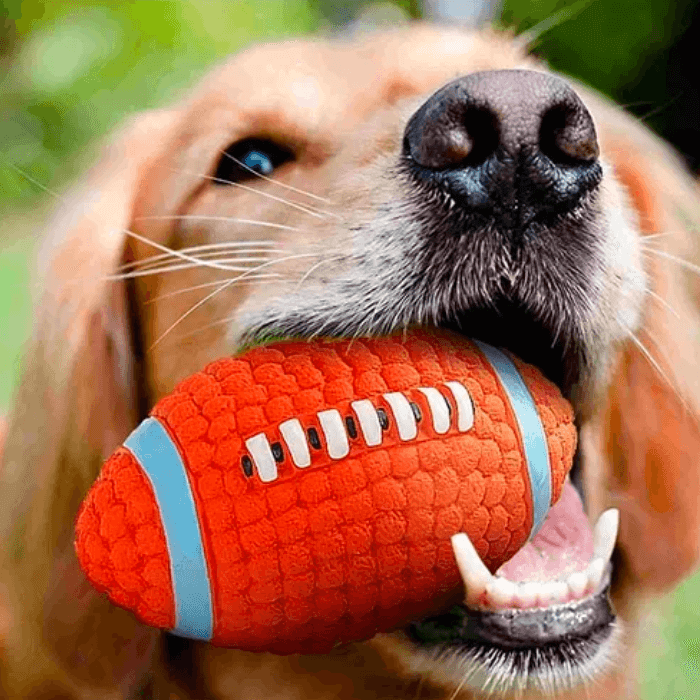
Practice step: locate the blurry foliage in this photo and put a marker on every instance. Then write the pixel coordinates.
(81, 66)
(670, 666)
(608, 44)
(339, 12)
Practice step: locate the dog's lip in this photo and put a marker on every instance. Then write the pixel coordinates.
(514, 652)
(516, 628)
(570, 637)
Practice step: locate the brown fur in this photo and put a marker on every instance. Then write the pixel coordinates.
(90, 372)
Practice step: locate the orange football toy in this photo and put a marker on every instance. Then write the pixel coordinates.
(304, 494)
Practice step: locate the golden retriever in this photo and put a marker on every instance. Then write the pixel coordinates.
(418, 176)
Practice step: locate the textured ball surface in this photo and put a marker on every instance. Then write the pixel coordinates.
(311, 537)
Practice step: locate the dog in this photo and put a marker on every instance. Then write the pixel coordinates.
(420, 176)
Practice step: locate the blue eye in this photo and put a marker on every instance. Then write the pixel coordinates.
(259, 162)
(248, 158)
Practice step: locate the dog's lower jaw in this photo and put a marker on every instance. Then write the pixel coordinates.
(474, 672)
(543, 638)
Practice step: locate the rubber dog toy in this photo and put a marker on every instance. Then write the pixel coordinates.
(304, 494)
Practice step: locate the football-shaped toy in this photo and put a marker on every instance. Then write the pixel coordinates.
(304, 494)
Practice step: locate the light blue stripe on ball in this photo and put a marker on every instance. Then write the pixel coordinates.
(531, 430)
(160, 459)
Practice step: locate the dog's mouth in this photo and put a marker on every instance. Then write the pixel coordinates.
(543, 621)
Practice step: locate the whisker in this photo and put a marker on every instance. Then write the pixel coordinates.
(692, 267)
(419, 687)
(276, 182)
(655, 364)
(206, 327)
(314, 267)
(219, 256)
(147, 241)
(660, 108)
(675, 386)
(206, 249)
(168, 251)
(164, 269)
(267, 277)
(663, 302)
(178, 253)
(226, 219)
(655, 236)
(459, 687)
(307, 209)
(56, 195)
(222, 288)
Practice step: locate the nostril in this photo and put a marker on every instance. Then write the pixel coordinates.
(567, 135)
(463, 137)
(485, 130)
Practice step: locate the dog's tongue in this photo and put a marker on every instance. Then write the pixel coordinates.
(563, 546)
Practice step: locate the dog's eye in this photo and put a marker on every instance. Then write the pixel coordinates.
(248, 158)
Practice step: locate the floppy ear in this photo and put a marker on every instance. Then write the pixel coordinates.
(649, 430)
(77, 400)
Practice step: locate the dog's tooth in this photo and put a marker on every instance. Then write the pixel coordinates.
(560, 592)
(501, 592)
(526, 594)
(577, 583)
(595, 573)
(474, 573)
(547, 593)
(605, 534)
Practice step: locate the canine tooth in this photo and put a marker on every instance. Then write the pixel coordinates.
(501, 592)
(474, 573)
(526, 594)
(577, 583)
(605, 534)
(595, 573)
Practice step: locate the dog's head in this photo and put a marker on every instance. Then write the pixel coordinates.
(418, 177)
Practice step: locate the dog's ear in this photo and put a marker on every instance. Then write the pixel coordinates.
(649, 430)
(77, 400)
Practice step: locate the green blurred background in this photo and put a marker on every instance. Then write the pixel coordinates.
(70, 71)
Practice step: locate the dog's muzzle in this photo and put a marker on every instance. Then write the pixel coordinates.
(514, 146)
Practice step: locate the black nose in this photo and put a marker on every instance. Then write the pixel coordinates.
(515, 146)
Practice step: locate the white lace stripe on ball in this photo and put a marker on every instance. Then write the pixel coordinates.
(438, 408)
(259, 448)
(334, 430)
(405, 420)
(369, 422)
(295, 439)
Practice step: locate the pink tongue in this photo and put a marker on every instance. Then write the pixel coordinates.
(563, 546)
